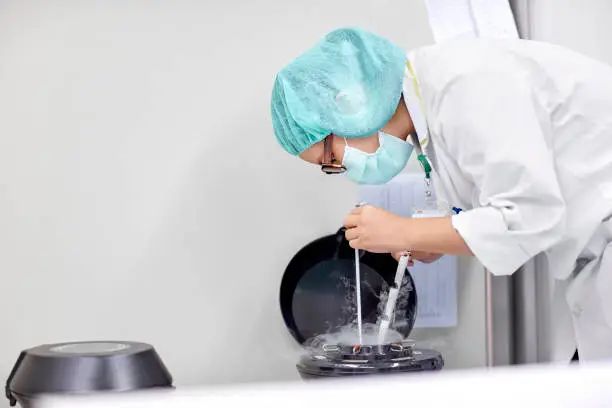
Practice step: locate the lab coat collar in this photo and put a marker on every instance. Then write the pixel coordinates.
(414, 103)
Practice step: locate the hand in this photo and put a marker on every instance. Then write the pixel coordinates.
(376, 230)
(424, 257)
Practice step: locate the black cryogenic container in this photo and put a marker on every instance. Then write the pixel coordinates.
(331, 361)
(318, 285)
(85, 367)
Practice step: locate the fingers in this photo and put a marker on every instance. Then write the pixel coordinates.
(398, 255)
(423, 257)
(426, 257)
(351, 234)
(356, 244)
(358, 210)
(353, 217)
(351, 220)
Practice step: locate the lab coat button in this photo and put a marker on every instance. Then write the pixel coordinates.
(577, 311)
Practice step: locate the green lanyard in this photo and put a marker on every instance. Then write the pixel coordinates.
(415, 139)
(424, 164)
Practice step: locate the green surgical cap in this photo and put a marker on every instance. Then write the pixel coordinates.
(349, 84)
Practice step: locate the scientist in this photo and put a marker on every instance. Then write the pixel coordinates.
(516, 133)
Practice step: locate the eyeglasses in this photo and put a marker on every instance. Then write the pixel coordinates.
(330, 165)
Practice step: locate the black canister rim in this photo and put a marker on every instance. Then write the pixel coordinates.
(86, 367)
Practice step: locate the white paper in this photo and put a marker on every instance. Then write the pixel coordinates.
(450, 19)
(436, 283)
(494, 19)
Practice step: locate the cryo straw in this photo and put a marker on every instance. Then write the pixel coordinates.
(392, 298)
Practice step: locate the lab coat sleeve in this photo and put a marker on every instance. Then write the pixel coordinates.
(497, 132)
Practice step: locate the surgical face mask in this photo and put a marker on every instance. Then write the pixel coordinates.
(379, 167)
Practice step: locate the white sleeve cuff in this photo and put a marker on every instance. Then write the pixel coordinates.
(486, 234)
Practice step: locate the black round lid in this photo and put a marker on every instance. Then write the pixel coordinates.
(82, 367)
(317, 293)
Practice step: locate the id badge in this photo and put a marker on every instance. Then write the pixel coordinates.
(429, 213)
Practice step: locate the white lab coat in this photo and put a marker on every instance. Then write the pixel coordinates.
(521, 138)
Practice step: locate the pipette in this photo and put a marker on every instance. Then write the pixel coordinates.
(358, 290)
(392, 298)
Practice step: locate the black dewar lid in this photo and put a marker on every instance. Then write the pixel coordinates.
(86, 367)
(320, 278)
